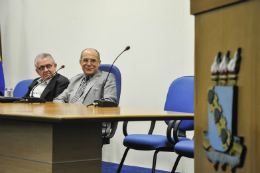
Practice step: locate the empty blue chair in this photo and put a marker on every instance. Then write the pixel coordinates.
(22, 88)
(185, 148)
(117, 74)
(182, 148)
(180, 98)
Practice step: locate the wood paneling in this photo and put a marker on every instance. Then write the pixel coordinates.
(226, 29)
(82, 167)
(77, 141)
(199, 6)
(26, 139)
(49, 148)
(13, 165)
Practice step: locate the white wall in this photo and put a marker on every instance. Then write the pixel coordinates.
(160, 33)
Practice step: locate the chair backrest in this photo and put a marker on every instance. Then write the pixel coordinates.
(22, 88)
(116, 72)
(180, 98)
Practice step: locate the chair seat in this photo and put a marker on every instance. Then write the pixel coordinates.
(148, 142)
(185, 148)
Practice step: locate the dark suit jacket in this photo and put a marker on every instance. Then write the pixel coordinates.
(54, 88)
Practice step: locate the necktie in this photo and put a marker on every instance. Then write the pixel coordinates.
(80, 90)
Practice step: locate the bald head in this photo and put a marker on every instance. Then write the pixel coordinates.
(89, 61)
(92, 51)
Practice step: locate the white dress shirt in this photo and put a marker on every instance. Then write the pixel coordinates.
(37, 92)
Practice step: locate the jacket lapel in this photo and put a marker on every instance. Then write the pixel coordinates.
(76, 85)
(92, 82)
(50, 85)
(35, 82)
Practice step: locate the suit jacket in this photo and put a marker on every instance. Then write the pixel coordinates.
(93, 90)
(54, 88)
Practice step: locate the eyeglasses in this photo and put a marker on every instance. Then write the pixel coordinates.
(41, 68)
(92, 61)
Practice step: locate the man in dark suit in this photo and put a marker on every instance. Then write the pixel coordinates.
(52, 85)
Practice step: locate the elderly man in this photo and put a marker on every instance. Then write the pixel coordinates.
(52, 85)
(87, 87)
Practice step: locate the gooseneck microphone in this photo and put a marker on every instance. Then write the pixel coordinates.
(32, 99)
(102, 102)
(127, 48)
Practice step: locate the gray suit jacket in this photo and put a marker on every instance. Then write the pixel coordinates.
(93, 90)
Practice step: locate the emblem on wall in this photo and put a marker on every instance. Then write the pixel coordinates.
(221, 145)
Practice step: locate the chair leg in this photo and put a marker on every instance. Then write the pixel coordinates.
(176, 163)
(122, 160)
(154, 160)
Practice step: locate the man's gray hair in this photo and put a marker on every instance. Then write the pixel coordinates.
(43, 55)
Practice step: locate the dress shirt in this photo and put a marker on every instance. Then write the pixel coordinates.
(37, 92)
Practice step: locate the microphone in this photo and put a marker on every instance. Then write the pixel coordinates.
(102, 102)
(36, 99)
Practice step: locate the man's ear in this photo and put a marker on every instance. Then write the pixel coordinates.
(37, 71)
(55, 65)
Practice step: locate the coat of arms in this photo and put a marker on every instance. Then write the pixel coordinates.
(221, 146)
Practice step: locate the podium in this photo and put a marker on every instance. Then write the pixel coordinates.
(61, 137)
(226, 27)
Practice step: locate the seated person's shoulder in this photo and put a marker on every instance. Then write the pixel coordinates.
(62, 78)
(76, 78)
(104, 73)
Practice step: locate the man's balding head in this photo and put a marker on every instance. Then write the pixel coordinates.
(89, 61)
(90, 49)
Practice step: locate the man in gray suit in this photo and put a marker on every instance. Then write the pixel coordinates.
(86, 88)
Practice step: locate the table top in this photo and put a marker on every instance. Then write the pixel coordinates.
(63, 112)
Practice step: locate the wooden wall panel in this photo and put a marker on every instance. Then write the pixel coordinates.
(199, 6)
(226, 29)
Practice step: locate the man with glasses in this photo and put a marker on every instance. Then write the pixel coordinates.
(49, 85)
(89, 86)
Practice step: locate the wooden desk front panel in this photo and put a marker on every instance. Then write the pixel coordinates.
(221, 30)
(49, 148)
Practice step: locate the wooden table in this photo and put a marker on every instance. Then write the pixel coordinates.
(60, 138)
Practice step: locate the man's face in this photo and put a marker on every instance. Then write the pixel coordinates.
(89, 62)
(45, 67)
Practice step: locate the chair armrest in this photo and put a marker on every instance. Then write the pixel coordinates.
(113, 130)
(175, 131)
(149, 132)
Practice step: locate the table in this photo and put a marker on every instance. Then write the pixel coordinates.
(60, 137)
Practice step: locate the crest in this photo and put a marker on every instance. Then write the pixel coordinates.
(221, 145)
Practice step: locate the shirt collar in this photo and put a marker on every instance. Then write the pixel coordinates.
(87, 77)
(46, 82)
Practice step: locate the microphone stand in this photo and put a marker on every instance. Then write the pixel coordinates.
(102, 102)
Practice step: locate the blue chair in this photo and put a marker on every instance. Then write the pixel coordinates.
(22, 88)
(180, 98)
(183, 148)
(116, 72)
